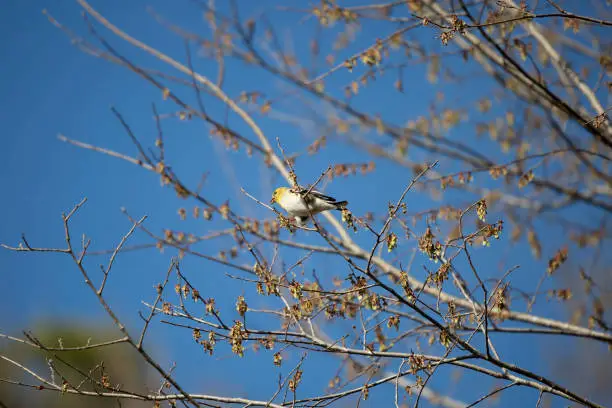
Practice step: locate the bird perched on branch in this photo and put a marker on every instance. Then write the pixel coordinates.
(302, 203)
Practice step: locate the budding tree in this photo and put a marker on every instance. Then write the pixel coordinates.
(472, 142)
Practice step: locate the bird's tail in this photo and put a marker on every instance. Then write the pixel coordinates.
(341, 205)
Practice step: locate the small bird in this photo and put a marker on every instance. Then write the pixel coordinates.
(301, 204)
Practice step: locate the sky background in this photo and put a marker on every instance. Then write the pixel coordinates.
(49, 87)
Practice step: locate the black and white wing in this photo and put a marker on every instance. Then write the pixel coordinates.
(314, 195)
(317, 194)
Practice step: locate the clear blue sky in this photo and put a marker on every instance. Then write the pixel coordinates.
(49, 87)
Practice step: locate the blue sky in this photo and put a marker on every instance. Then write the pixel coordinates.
(49, 87)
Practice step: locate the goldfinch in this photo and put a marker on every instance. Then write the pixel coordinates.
(300, 204)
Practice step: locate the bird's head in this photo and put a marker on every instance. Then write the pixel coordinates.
(277, 194)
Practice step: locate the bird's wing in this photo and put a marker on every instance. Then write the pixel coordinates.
(318, 195)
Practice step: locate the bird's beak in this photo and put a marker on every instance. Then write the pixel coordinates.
(272, 200)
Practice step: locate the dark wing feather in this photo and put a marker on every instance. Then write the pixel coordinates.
(319, 195)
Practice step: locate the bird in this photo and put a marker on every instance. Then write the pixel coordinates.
(302, 203)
